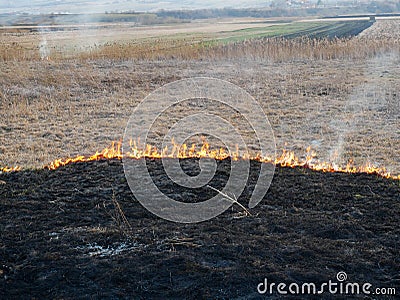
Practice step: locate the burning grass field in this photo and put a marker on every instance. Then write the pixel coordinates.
(74, 230)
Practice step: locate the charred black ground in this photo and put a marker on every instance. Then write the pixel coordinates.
(63, 237)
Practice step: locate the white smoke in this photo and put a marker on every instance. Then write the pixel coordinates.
(368, 112)
(44, 49)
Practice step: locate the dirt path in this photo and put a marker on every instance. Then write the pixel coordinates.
(383, 29)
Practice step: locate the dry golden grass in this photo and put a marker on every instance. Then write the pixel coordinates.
(273, 49)
(333, 95)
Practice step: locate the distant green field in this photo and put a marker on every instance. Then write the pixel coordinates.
(297, 29)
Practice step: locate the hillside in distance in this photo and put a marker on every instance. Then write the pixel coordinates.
(100, 6)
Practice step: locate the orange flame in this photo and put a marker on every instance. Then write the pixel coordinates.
(10, 169)
(108, 153)
(286, 159)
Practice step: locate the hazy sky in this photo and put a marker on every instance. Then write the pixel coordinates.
(76, 6)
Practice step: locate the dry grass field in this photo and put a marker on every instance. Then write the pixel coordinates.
(339, 96)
